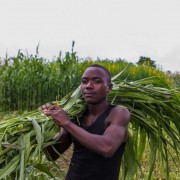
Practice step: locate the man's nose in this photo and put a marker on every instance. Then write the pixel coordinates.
(89, 84)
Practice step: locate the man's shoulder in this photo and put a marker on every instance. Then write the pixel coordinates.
(119, 109)
(120, 113)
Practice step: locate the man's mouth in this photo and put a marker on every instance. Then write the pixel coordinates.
(88, 94)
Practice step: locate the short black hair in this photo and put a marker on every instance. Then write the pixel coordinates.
(104, 69)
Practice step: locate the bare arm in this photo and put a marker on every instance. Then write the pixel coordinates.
(106, 144)
(63, 140)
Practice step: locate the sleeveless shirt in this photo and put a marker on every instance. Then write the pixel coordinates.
(87, 165)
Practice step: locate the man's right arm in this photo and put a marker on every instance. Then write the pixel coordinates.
(63, 142)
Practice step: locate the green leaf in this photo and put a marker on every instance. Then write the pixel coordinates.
(44, 169)
(39, 135)
(10, 167)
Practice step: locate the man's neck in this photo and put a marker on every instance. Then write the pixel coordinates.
(96, 109)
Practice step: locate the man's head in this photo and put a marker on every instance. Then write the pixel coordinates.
(95, 84)
(108, 75)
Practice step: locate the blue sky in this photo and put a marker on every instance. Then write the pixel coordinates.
(111, 29)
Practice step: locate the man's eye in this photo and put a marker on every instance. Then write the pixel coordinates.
(84, 81)
(97, 81)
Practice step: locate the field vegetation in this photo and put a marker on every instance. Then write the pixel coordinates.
(28, 81)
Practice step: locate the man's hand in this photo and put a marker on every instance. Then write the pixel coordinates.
(44, 107)
(58, 114)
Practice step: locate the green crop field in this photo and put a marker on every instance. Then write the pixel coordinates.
(28, 81)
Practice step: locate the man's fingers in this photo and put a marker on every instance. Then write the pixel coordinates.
(51, 112)
(45, 106)
(54, 107)
(48, 112)
(55, 103)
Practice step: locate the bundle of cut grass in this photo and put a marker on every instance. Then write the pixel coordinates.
(155, 115)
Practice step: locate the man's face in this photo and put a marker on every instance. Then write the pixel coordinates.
(95, 85)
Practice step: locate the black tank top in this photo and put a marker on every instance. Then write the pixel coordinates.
(87, 165)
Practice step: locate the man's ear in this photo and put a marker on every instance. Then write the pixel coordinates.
(110, 87)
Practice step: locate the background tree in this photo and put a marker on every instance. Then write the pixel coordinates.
(146, 61)
(175, 76)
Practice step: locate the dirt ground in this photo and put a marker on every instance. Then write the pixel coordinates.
(64, 160)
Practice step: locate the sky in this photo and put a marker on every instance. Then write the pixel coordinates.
(112, 29)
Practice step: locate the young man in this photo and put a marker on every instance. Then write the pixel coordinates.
(100, 139)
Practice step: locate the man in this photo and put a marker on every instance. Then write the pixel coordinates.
(100, 139)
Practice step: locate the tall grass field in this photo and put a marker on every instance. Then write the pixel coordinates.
(28, 81)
